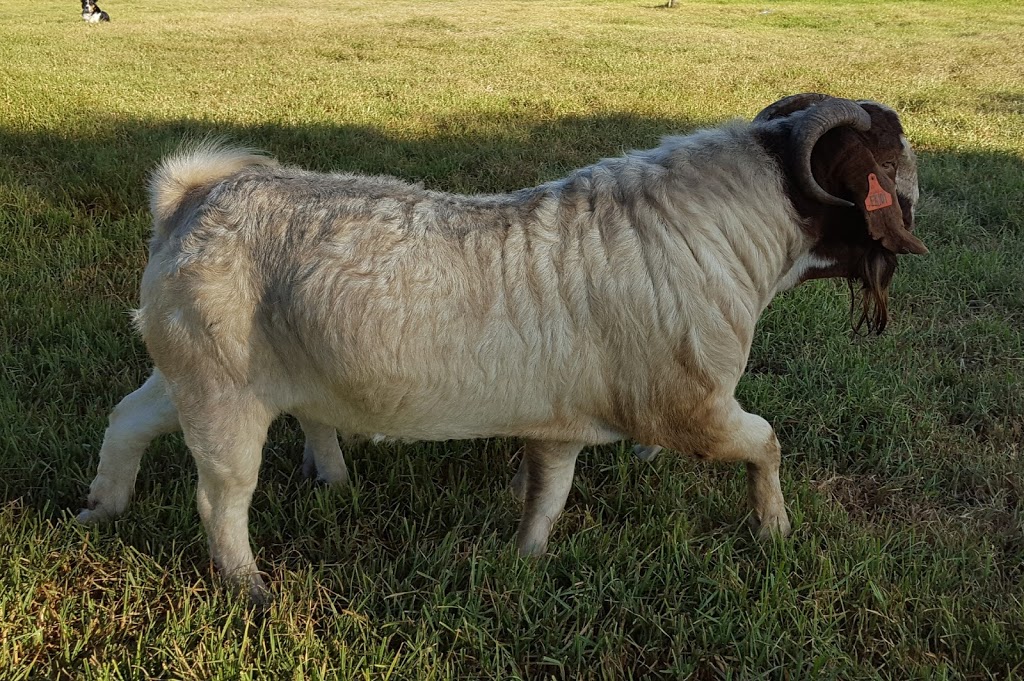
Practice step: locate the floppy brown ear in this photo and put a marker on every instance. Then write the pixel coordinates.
(875, 194)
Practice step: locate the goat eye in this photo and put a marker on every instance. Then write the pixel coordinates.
(889, 165)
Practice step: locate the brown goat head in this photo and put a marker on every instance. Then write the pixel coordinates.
(852, 176)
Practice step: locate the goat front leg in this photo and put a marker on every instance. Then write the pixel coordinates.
(739, 436)
(136, 421)
(547, 471)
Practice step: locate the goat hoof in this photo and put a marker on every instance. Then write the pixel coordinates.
(310, 471)
(108, 498)
(772, 526)
(89, 516)
(96, 512)
(532, 548)
(260, 597)
(646, 452)
(251, 588)
(338, 482)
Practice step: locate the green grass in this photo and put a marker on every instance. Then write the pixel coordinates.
(903, 458)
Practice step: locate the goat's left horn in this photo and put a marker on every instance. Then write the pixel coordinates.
(827, 115)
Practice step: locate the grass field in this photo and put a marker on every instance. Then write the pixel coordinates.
(902, 456)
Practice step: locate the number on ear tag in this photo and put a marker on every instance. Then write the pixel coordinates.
(877, 198)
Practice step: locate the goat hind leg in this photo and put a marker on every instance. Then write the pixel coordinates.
(135, 422)
(322, 457)
(226, 440)
(519, 480)
(518, 484)
(547, 470)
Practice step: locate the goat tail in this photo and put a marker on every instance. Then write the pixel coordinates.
(189, 173)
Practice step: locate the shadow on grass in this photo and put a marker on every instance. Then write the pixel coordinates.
(104, 171)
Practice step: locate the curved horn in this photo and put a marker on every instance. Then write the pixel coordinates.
(827, 115)
(788, 105)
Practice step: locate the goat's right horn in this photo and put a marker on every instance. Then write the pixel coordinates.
(789, 105)
(829, 114)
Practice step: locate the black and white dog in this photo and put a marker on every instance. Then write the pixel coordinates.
(92, 13)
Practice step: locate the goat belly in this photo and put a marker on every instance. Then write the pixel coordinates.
(436, 418)
(451, 397)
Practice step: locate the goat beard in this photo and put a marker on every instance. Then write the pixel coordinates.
(874, 274)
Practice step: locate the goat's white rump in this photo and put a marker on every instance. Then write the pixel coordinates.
(618, 302)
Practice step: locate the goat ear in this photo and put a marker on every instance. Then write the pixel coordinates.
(875, 194)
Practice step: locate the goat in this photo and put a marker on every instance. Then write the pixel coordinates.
(618, 302)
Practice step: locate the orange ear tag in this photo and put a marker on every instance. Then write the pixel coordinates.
(878, 198)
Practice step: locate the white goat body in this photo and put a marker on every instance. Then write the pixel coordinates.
(617, 302)
(564, 312)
